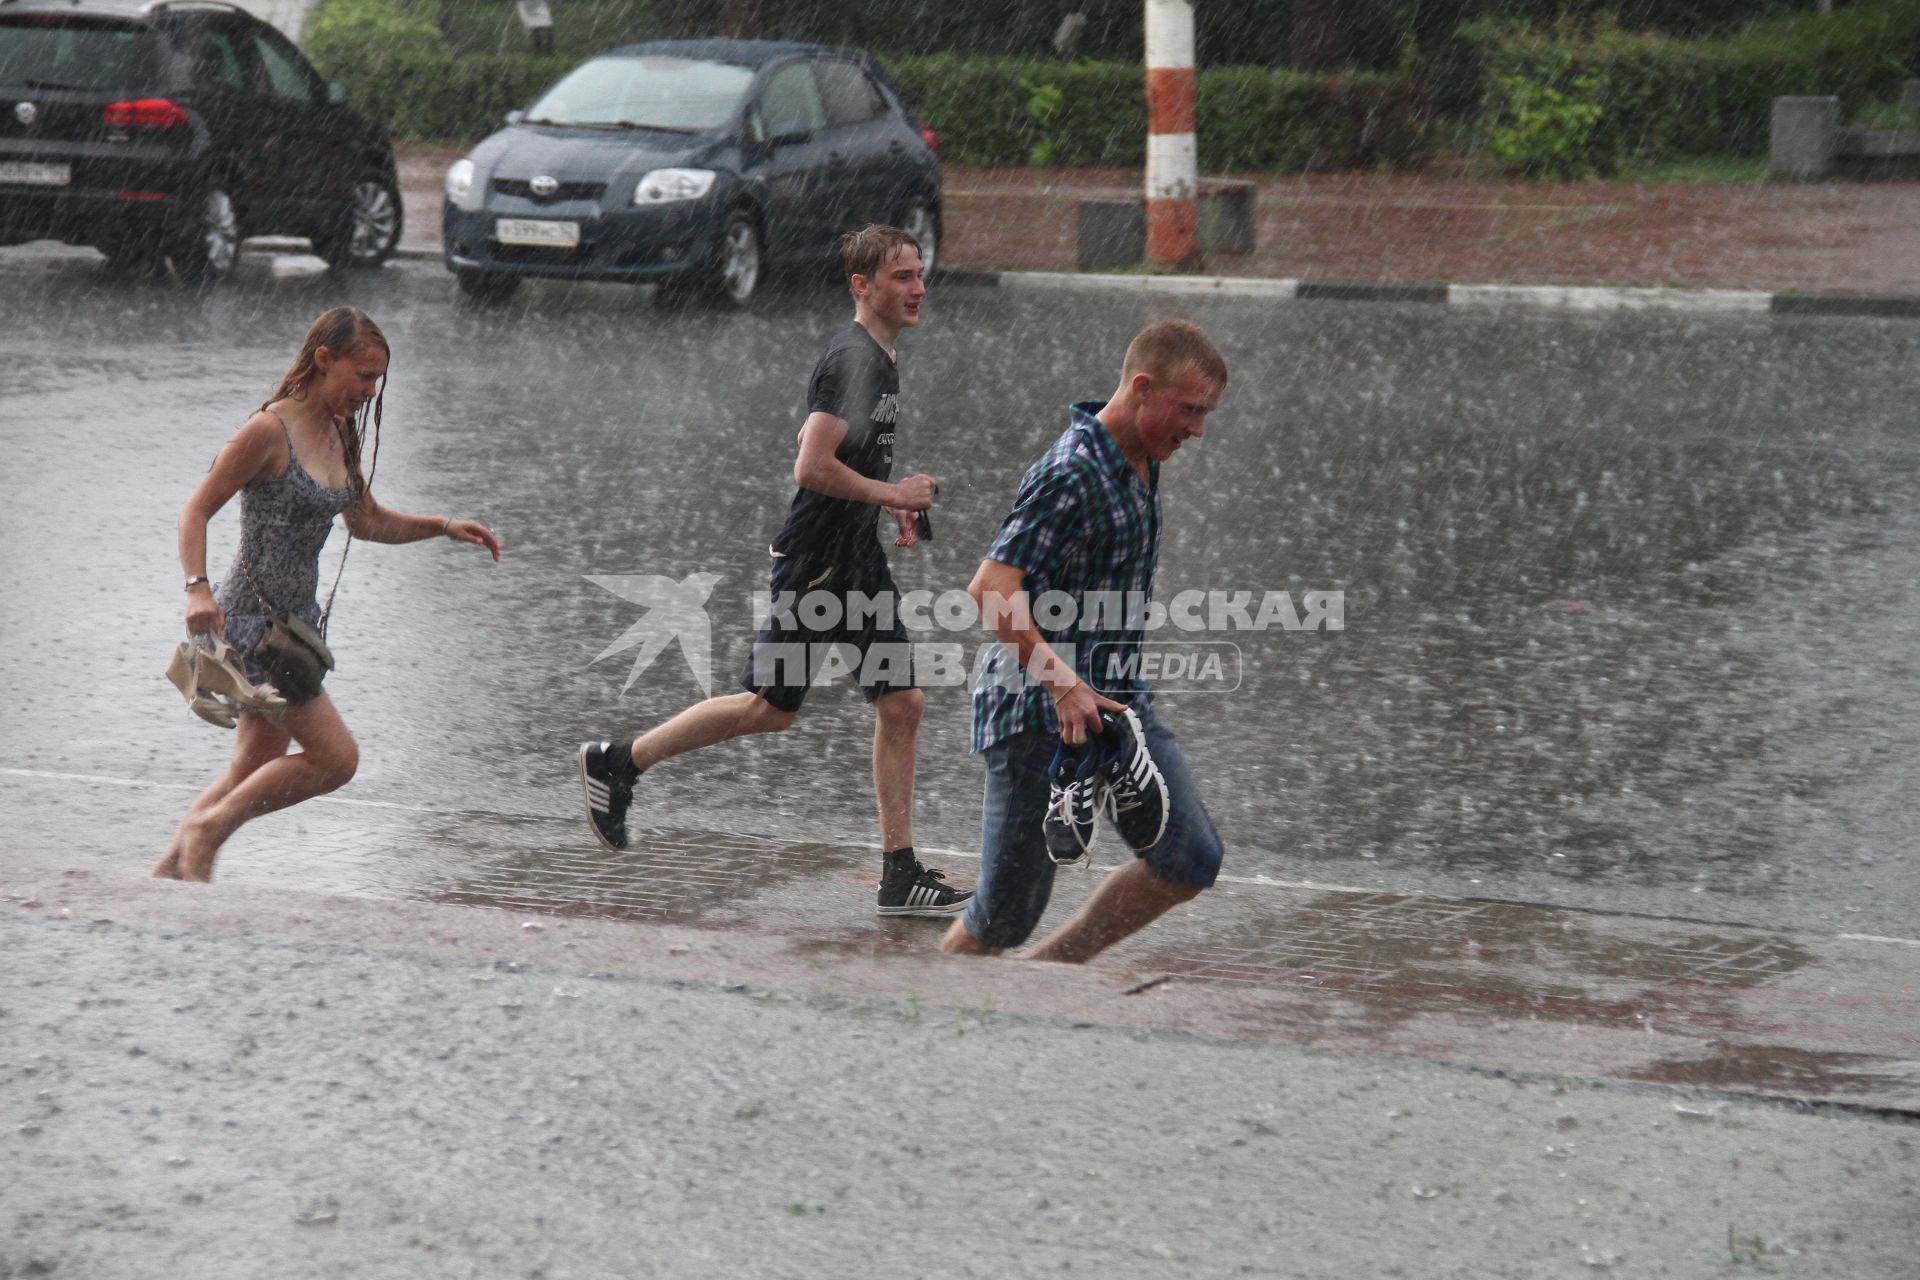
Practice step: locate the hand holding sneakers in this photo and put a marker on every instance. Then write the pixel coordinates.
(1114, 775)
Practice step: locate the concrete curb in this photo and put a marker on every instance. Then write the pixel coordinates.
(1284, 289)
(1558, 297)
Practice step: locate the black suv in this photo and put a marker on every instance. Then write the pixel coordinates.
(152, 130)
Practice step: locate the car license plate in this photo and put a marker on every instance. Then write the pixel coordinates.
(21, 173)
(544, 232)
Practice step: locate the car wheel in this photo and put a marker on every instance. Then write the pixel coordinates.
(917, 220)
(741, 261)
(487, 286)
(210, 248)
(370, 228)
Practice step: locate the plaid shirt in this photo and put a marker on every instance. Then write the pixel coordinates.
(1083, 522)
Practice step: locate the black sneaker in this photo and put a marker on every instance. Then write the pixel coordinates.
(609, 792)
(917, 890)
(1132, 793)
(1073, 786)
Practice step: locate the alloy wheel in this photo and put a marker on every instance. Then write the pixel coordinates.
(919, 223)
(740, 260)
(376, 221)
(219, 233)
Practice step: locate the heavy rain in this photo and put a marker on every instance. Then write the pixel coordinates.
(1552, 554)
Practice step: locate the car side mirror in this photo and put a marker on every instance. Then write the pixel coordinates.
(336, 93)
(787, 137)
(515, 117)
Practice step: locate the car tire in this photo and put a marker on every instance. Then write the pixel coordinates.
(209, 248)
(739, 261)
(917, 220)
(370, 227)
(487, 286)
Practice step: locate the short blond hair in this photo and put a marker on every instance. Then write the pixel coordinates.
(1165, 350)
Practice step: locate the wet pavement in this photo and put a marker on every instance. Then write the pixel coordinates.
(1603, 784)
(262, 1080)
(1499, 986)
(1626, 599)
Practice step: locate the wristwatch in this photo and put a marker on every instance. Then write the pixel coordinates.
(197, 579)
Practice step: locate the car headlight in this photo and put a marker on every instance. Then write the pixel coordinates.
(664, 186)
(460, 180)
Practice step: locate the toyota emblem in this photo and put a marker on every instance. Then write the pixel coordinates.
(544, 186)
(25, 112)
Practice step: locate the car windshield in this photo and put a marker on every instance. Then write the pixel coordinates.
(58, 52)
(684, 95)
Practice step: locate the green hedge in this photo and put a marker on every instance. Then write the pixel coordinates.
(987, 111)
(994, 111)
(398, 68)
(1659, 98)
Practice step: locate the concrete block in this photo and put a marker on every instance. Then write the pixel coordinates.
(1804, 136)
(1226, 215)
(1112, 234)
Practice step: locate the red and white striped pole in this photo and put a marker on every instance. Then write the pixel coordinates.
(1173, 176)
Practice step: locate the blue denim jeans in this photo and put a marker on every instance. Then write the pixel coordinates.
(1016, 875)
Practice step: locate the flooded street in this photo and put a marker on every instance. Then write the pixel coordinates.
(1629, 598)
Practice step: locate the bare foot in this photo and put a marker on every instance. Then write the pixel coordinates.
(193, 858)
(168, 868)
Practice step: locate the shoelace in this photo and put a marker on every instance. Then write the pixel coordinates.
(1113, 805)
(1060, 808)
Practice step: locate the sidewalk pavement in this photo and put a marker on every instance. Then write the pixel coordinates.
(704, 1057)
(1502, 986)
(1850, 239)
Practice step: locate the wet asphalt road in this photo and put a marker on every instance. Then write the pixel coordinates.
(1629, 599)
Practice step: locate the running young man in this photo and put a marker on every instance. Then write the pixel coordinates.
(1087, 520)
(828, 553)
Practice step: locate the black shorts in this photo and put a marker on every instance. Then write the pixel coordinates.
(847, 615)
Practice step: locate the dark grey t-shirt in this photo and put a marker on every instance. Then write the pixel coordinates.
(857, 383)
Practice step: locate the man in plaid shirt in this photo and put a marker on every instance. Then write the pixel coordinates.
(1083, 536)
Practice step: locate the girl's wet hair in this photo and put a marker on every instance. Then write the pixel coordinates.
(342, 331)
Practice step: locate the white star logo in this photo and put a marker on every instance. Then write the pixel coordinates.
(674, 611)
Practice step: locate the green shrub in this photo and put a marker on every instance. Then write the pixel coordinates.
(988, 111)
(992, 111)
(398, 69)
(342, 34)
(1544, 127)
(1661, 98)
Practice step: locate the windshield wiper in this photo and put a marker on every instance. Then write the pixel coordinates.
(631, 127)
(49, 84)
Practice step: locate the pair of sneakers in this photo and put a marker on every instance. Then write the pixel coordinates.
(908, 887)
(1112, 774)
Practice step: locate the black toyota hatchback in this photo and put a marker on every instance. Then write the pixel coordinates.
(695, 163)
(174, 130)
